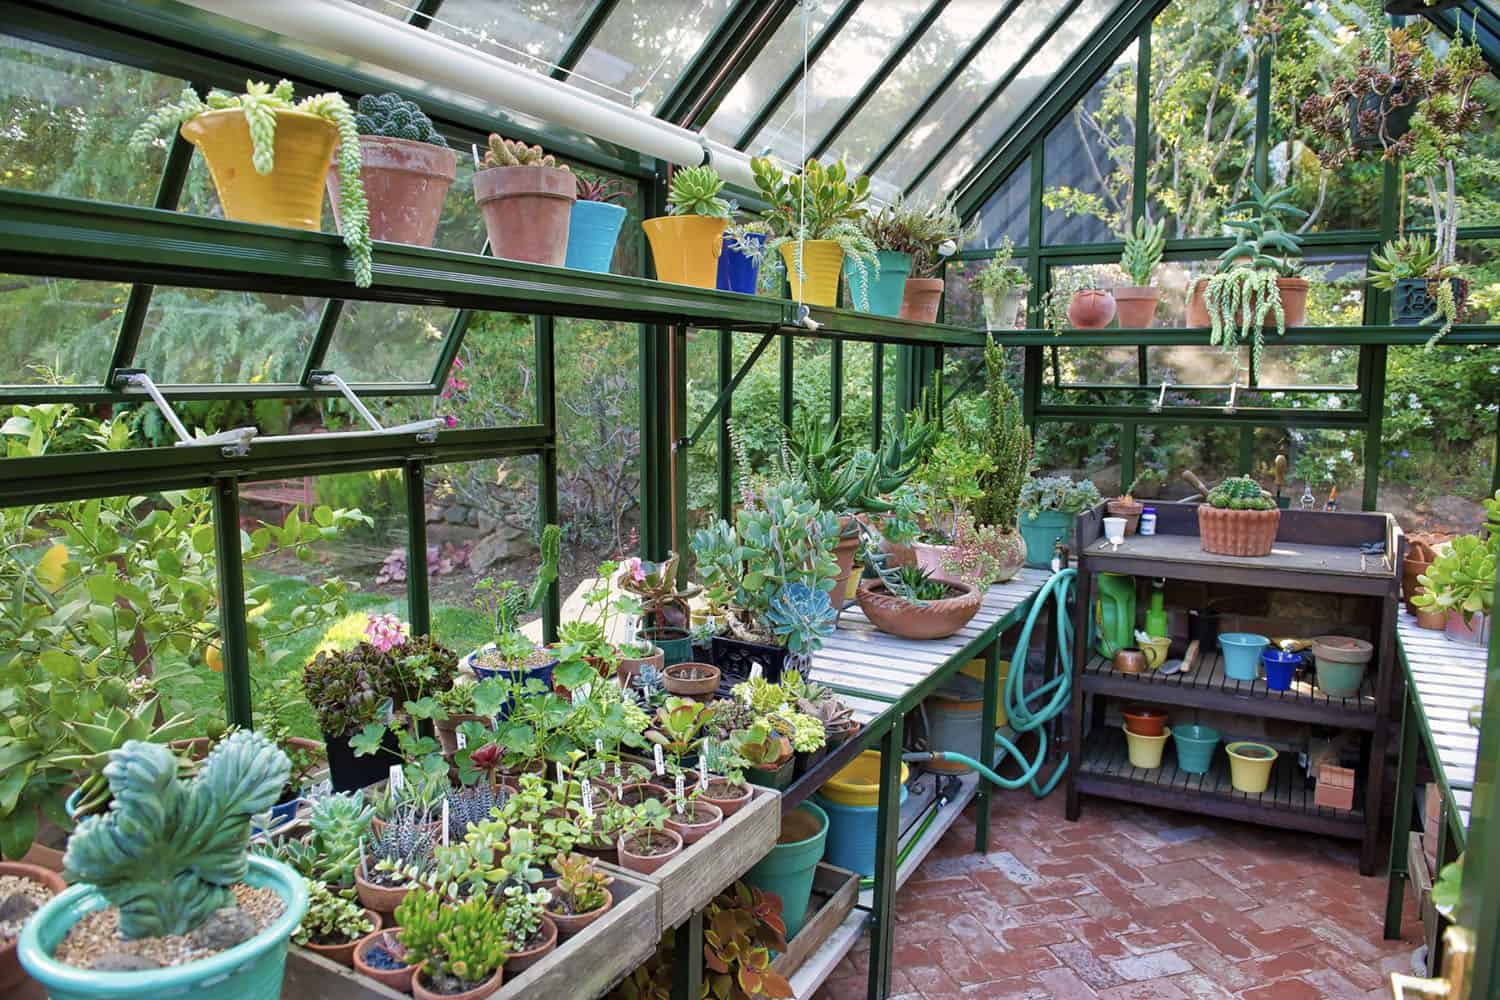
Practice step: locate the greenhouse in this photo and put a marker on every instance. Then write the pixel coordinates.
(677, 499)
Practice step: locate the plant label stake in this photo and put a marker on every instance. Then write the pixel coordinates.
(463, 741)
(703, 778)
(397, 779)
(599, 747)
(680, 797)
(363, 864)
(445, 822)
(588, 799)
(755, 671)
(661, 766)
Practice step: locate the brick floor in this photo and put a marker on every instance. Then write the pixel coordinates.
(1133, 903)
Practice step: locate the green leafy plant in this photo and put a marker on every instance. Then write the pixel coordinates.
(330, 918)
(395, 117)
(581, 886)
(695, 191)
(1144, 246)
(346, 688)
(502, 152)
(678, 725)
(1462, 577)
(458, 945)
(1240, 493)
(330, 853)
(168, 850)
(261, 104)
(819, 203)
(920, 227)
(1006, 443)
(999, 276)
(1059, 493)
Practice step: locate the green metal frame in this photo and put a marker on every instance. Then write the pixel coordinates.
(721, 60)
(579, 43)
(789, 82)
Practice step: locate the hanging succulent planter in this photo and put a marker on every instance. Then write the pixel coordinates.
(527, 200)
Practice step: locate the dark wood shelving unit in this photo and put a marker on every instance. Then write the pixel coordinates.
(1316, 552)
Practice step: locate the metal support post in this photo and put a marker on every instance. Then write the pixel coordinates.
(788, 373)
(987, 739)
(545, 335)
(1128, 430)
(887, 840)
(1406, 775)
(726, 446)
(233, 637)
(687, 965)
(418, 610)
(836, 381)
(676, 429)
(877, 393)
(1374, 401)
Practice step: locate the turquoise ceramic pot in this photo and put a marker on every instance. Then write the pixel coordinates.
(886, 291)
(1042, 532)
(593, 229)
(788, 870)
(248, 971)
(1195, 747)
(851, 834)
(1242, 655)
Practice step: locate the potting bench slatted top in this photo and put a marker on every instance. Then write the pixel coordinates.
(861, 661)
(1446, 680)
(1291, 557)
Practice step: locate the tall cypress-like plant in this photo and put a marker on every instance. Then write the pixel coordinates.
(1007, 440)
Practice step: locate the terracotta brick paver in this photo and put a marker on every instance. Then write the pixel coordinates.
(1135, 903)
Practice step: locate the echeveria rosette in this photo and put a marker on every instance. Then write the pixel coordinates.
(801, 617)
(168, 851)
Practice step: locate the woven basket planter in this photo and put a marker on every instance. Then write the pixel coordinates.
(933, 620)
(1237, 532)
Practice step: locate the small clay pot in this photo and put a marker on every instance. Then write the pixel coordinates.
(692, 680)
(1136, 305)
(1144, 720)
(344, 953)
(732, 801)
(634, 795)
(1091, 309)
(382, 899)
(487, 988)
(14, 982)
(1130, 510)
(630, 666)
(631, 859)
(920, 299)
(1434, 619)
(447, 731)
(527, 211)
(1130, 661)
(406, 182)
(396, 979)
(693, 827)
(569, 924)
(523, 960)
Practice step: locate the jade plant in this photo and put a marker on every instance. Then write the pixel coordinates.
(261, 104)
(458, 946)
(331, 918)
(581, 886)
(695, 191)
(394, 117)
(1240, 493)
(1462, 578)
(169, 851)
(818, 203)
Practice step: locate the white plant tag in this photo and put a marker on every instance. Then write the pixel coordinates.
(631, 628)
(445, 822)
(617, 772)
(320, 790)
(588, 798)
(756, 672)
(463, 741)
(599, 747)
(702, 778)
(661, 765)
(680, 798)
(397, 779)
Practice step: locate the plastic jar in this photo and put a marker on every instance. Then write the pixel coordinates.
(1148, 521)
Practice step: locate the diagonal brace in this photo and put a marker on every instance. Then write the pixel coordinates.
(728, 390)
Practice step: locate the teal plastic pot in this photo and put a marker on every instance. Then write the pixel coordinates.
(593, 229)
(249, 971)
(788, 869)
(1195, 747)
(851, 834)
(1042, 532)
(1242, 655)
(886, 291)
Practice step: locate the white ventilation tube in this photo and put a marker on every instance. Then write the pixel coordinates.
(345, 30)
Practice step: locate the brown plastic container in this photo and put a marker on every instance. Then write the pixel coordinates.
(920, 299)
(405, 182)
(526, 211)
(1237, 532)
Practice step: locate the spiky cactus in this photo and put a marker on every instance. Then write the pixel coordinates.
(169, 851)
(1007, 440)
(504, 152)
(1240, 493)
(507, 601)
(1143, 249)
(393, 116)
(695, 191)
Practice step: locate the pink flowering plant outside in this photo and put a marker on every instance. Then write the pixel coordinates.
(385, 632)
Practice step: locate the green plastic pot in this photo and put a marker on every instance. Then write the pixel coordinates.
(788, 870)
(778, 778)
(249, 971)
(1041, 534)
(676, 644)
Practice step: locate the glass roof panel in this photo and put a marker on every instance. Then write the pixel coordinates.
(388, 342)
(782, 54)
(198, 336)
(973, 85)
(1010, 104)
(911, 82)
(848, 62)
(58, 329)
(642, 48)
(513, 30)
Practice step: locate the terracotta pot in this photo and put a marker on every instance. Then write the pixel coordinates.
(1130, 661)
(629, 667)
(1197, 309)
(1091, 308)
(631, 858)
(692, 680)
(406, 182)
(929, 558)
(292, 193)
(396, 979)
(1435, 620)
(934, 620)
(704, 819)
(526, 211)
(1130, 510)
(344, 953)
(380, 898)
(635, 794)
(1293, 303)
(14, 982)
(843, 555)
(523, 960)
(1145, 721)
(1237, 532)
(447, 730)
(921, 298)
(729, 801)
(822, 262)
(1417, 562)
(1476, 630)
(1136, 305)
(569, 924)
(484, 989)
(686, 248)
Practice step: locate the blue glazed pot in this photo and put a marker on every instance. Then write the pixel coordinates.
(593, 229)
(1242, 654)
(541, 673)
(1281, 668)
(886, 291)
(249, 971)
(1195, 747)
(281, 814)
(737, 271)
(1041, 534)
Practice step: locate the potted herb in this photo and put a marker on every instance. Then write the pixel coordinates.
(527, 200)
(580, 896)
(594, 224)
(815, 222)
(1136, 302)
(1078, 299)
(647, 844)
(171, 857)
(1049, 506)
(333, 925)
(268, 156)
(1256, 284)
(1238, 518)
(405, 166)
(907, 602)
(686, 243)
(459, 948)
(476, 701)
(1002, 288)
(740, 258)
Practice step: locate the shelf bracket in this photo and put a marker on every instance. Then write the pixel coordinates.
(1161, 399)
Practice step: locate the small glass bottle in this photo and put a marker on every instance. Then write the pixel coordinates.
(1148, 521)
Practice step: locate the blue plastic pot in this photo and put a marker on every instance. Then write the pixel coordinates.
(1281, 667)
(249, 971)
(541, 673)
(1241, 654)
(70, 805)
(739, 272)
(851, 835)
(593, 229)
(1041, 534)
(1195, 747)
(788, 870)
(885, 292)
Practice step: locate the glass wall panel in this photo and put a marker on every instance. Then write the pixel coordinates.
(598, 421)
(1089, 160)
(782, 55)
(1438, 436)
(492, 382)
(642, 48)
(1008, 211)
(387, 342)
(58, 329)
(533, 33)
(203, 336)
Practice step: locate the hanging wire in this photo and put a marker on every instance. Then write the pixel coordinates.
(801, 163)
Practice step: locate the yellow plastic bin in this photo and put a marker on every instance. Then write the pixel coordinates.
(858, 784)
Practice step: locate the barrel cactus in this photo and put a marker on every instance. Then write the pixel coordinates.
(394, 117)
(1240, 493)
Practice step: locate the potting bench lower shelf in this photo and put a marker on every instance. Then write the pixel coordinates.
(1287, 802)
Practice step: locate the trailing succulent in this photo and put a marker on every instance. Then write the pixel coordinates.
(503, 152)
(1244, 294)
(394, 117)
(1240, 493)
(695, 191)
(261, 104)
(168, 852)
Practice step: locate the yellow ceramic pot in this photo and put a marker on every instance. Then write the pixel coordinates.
(686, 248)
(1145, 751)
(822, 262)
(1250, 766)
(975, 669)
(292, 193)
(1156, 651)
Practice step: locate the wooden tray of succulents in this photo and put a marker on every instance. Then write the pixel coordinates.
(587, 964)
